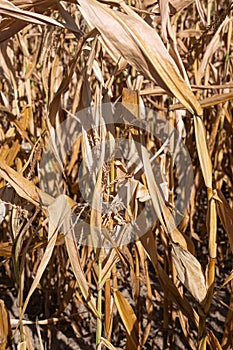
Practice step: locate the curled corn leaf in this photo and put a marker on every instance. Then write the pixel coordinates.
(189, 272)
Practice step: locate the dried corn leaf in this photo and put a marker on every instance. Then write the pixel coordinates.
(142, 47)
(184, 322)
(213, 341)
(201, 11)
(206, 102)
(225, 213)
(5, 328)
(107, 343)
(128, 317)
(23, 13)
(165, 21)
(189, 272)
(211, 48)
(58, 210)
(73, 253)
(7, 8)
(216, 99)
(6, 249)
(228, 279)
(202, 343)
(107, 267)
(59, 215)
(108, 312)
(22, 186)
(203, 152)
(180, 4)
(163, 213)
(174, 295)
(149, 302)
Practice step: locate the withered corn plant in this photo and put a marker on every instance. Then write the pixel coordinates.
(116, 174)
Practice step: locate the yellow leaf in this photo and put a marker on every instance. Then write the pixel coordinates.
(202, 151)
(128, 317)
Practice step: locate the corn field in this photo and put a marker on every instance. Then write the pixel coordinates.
(116, 174)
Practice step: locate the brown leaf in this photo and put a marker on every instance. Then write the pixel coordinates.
(9, 9)
(5, 328)
(58, 210)
(203, 153)
(107, 343)
(73, 252)
(142, 47)
(23, 13)
(189, 272)
(225, 212)
(228, 279)
(206, 102)
(6, 249)
(128, 317)
(164, 215)
(213, 341)
(211, 48)
(180, 4)
(149, 244)
(25, 188)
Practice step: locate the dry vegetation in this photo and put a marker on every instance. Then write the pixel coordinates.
(170, 288)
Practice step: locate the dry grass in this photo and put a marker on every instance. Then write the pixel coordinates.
(170, 287)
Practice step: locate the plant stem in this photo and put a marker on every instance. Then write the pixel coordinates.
(99, 305)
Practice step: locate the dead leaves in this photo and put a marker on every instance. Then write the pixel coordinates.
(189, 272)
(142, 47)
(23, 16)
(225, 213)
(202, 150)
(22, 186)
(124, 35)
(5, 328)
(129, 320)
(9, 9)
(59, 212)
